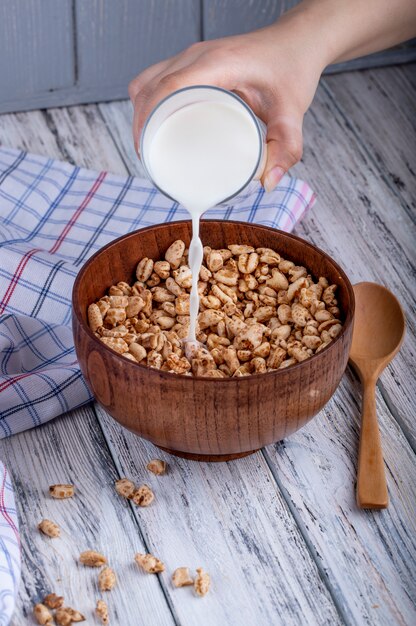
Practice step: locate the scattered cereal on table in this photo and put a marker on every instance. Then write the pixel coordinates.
(101, 612)
(91, 558)
(125, 487)
(157, 466)
(202, 582)
(106, 579)
(49, 528)
(181, 577)
(42, 614)
(65, 616)
(143, 496)
(150, 563)
(61, 492)
(53, 601)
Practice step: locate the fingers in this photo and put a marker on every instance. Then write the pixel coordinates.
(284, 149)
(194, 66)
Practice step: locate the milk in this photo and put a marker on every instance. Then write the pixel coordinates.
(201, 155)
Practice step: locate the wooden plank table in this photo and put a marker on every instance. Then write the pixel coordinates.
(278, 531)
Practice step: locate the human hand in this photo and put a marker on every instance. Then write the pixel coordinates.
(275, 70)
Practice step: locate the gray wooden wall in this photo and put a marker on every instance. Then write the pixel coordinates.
(59, 52)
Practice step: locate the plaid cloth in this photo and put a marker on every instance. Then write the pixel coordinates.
(9, 549)
(53, 216)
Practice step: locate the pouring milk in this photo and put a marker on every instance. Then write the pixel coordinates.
(201, 155)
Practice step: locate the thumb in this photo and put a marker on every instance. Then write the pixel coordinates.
(284, 149)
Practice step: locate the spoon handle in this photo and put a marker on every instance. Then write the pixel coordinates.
(371, 480)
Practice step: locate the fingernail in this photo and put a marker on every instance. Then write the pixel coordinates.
(273, 177)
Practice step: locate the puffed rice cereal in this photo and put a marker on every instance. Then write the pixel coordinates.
(258, 313)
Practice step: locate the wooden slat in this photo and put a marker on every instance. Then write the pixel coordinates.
(222, 17)
(362, 224)
(76, 134)
(72, 449)
(232, 520)
(36, 48)
(367, 556)
(380, 106)
(117, 40)
(118, 117)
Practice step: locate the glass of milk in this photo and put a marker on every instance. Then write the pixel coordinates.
(201, 146)
(207, 136)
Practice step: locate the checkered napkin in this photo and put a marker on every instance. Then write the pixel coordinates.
(53, 217)
(9, 549)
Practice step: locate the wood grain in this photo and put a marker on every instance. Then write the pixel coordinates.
(116, 41)
(35, 58)
(200, 416)
(72, 449)
(243, 535)
(362, 224)
(373, 102)
(367, 557)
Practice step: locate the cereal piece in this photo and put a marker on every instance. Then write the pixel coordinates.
(162, 269)
(91, 558)
(214, 261)
(144, 269)
(118, 302)
(115, 316)
(202, 582)
(125, 488)
(259, 365)
(300, 315)
(278, 280)
(174, 253)
(135, 305)
(107, 579)
(150, 563)
(129, 356)
(95, 318)
(42, 614)
(250, 338)
(101, 612)
(157, 466)
(276, 357)
(116, 344)
(226, 277)
(311, 341)
(295, 288)
(181, 577)
(61, 491)
(65, 616)
(53, 601)
(143, 496)
(49, 528)
(247, 263)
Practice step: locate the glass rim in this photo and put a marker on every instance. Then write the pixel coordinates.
(236, 97)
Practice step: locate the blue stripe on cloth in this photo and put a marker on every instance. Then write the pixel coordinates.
(9, 219)
(105, 221)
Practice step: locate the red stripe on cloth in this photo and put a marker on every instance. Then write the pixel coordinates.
(17, 377)
(15, 278)
(5, 512)
(78, 212)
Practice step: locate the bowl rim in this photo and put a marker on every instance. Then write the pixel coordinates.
(76, 308)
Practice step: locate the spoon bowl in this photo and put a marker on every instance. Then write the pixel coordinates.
(378, 334)
(379, 324)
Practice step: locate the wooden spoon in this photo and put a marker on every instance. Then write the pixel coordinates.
(378, 334)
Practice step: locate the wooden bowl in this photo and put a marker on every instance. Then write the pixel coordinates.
(203, 418)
